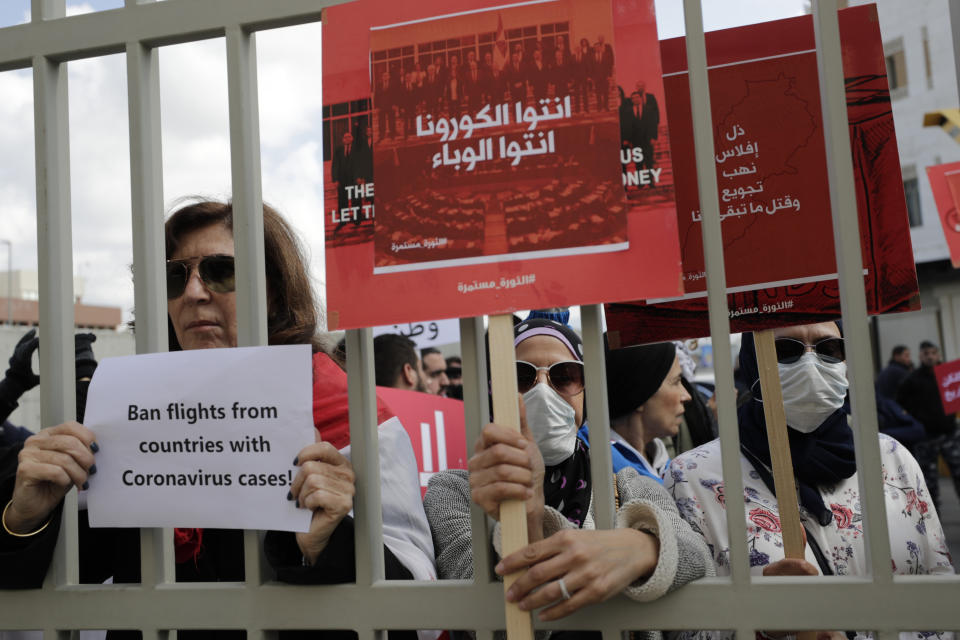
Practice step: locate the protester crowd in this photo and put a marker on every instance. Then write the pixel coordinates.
(670, 513)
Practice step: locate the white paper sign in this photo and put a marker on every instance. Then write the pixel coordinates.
(201, 438)
(425, 334)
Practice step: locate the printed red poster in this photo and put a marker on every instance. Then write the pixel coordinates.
(772, 182)
(945, 183)
(948, 381)
(563, 193)
(435, 426)
(502, 165)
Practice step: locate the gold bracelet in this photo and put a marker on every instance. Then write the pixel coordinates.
(3, 520)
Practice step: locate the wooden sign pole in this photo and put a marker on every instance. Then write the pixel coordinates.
(780, 459)
(513, 513)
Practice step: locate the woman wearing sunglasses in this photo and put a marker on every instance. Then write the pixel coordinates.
(813, 376)
(201, 306)
(652, 550)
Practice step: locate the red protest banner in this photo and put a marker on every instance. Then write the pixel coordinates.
(489, 174)
(435, 426)
(524, 214)
(772, 181)
(945, 183)
(948, 381)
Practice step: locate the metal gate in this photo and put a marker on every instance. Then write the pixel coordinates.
(880, 601)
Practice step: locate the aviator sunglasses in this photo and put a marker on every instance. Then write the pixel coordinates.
(790, 350)
(566, 377)
(216, 273)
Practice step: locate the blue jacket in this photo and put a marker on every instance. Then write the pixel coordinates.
(621, 456)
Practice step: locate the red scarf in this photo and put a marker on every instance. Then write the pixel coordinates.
(331, 417)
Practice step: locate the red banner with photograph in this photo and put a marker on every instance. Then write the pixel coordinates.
(435, 426)
(948, 381)
(546, 222)
(772, 182)
(945, 183)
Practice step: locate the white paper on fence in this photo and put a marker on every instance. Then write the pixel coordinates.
(233, 421)
(425, 334)
(405, 529)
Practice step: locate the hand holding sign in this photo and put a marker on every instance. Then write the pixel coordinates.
(508, 466)
(50, 463)
(325, 485)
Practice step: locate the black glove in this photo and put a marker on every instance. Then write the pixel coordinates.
(20, 375)
(86, 363)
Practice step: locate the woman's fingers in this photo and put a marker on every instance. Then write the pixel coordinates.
(334, 503)
(321, 459)
(499, 454)
(74, 472)
(67, 445)
(498, 434)
(594, 565)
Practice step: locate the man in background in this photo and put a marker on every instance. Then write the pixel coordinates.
(919, 395)
(396, 364)
(455, 376)
(896, 370)
(434, 371)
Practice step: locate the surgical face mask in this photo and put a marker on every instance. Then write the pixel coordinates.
(552, 422)
(812, 390)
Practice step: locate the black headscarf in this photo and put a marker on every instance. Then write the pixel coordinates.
(634, 374)
(823, 457)
(566, 486)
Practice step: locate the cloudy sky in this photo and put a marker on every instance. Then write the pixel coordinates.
(196, 137)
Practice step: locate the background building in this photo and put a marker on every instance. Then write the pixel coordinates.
(918, 45)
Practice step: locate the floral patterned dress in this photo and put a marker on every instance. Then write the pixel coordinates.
(917, 541)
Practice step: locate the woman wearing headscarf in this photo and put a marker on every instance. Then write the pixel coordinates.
(646, 400)
(813, 378)
(650, 552)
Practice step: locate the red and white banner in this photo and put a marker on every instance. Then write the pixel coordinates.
(945, 183)
(435, 426)
(948, 381)
(616, 73)
(772, 182)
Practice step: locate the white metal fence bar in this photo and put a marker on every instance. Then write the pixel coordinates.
(911, 603)
(716, 293)
(372, 605)
(595, 374)
(54, 252)
(247, 229)
(365, 457)
(853, 300)
(150, 301)
(476, 405)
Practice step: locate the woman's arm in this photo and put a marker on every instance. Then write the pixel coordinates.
(447, 504)
(683, 556)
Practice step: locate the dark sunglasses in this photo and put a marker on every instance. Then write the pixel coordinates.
(566, 377)
(789, 350)
(216, 273)
(454, 372)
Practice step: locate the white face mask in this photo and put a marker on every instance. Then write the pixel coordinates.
(812, 390)
(552, 422)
